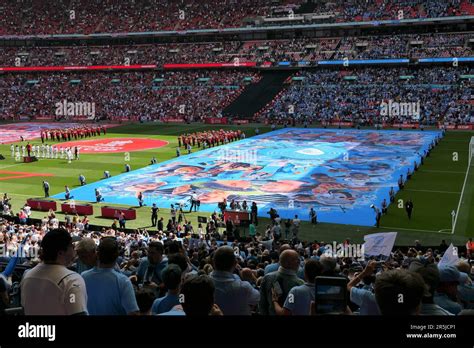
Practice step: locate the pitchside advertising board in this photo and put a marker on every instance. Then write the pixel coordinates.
(216, 120)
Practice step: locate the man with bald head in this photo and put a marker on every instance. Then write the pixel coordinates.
(86, 251)
(275, 256)
(233, 295)
(280, 282)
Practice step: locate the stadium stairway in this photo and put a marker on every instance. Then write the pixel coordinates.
(307, 7)
(256, 96)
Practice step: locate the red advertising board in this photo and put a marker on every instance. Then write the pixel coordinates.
(41, 204)
(114, 213)
(209, 65)
(72, 68)
(215, 120)
(405, 125)
(80, 209)
(173, 120)
(241, 121)
(342, 124)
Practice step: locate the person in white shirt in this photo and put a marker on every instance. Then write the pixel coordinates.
(12, 148)
(50, 288)
(27, 210)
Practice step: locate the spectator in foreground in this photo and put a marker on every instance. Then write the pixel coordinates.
(364, 298)
(399, 292)
(86, 251)
(198, 296)
(446, 293)
(151, 266)
(171, 276)
(144, 299)
(48, 287)
(232, 295)
(298, 301)
(109, 292)
(285, 277)
(430, 274)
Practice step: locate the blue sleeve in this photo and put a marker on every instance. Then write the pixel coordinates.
(253, 294)
(154, 307)
(358, 295)
(141, 270)
(290, 301)
(128, 300)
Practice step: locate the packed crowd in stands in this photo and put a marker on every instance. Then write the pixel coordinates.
(303, 49)
(404, 46)
(356, 95)
(145, 273)
(85, 17)
(34, 18)
(116, 96)
(361, 10)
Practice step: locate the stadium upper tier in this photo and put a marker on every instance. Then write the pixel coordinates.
(442, 94)
(30, 17)
(345, 94)
(270, 52)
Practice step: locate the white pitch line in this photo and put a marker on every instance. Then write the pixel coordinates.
(460, 199)
(453, 192)
(412, 229)
(12, 165)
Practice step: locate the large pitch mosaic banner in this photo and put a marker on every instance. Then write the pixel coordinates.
(340, 173)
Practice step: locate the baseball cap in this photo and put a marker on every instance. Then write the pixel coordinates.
(449, 274)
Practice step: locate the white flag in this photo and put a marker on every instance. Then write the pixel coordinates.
(450, 257)
(379, 243)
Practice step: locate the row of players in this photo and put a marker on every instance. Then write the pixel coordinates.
(69, 133)
(44, 151)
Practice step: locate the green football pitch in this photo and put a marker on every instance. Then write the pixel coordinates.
(435, 189)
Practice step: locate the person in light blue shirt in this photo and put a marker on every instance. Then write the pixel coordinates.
(171, 276)
(298, 301)
(364, 298)
(175, 311)
(446, 294)
(109, 292)
(274, 266)
(232, 295)
(151, 266)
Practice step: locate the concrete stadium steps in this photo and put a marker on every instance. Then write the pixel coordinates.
(256, 96)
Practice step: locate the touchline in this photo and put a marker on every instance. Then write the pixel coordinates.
(37, 331)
